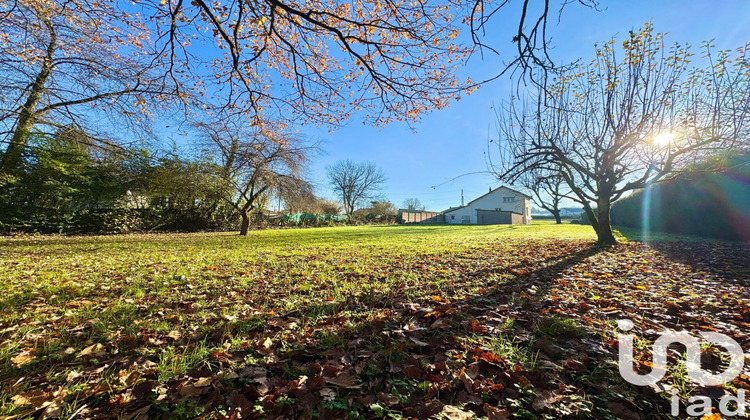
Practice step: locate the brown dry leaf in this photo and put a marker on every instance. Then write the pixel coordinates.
(34, 398)
(137, 414)
(202, 382)
(440, 323)
(454, 413)
(344, 380)
(92, 350)
(261, 385)
(72, 376)
(496, 413)
(328, 394)
(24, 358)
(190, 391)
(545, 400)
(472, 370)
(52, 410)
(389, 399)
(468, 382)
(241, 404)
(129, 379)
(253, 372)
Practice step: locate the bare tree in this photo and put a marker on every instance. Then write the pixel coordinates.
(66, 63)
(355, 182)
(253, 162)
(548, 189)
(530, 39)
(614, 126)
(413, 204)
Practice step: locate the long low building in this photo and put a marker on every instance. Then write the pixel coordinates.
(500, 206)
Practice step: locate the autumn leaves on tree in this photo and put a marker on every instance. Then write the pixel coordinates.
(64, 62)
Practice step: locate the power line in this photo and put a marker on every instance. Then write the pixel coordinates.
(459, 176)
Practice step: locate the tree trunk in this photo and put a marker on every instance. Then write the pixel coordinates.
(11, 159)
(593, 220)
(245, 225)
(604, 233)
(556, 213)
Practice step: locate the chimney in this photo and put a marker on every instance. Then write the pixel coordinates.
(490, 189)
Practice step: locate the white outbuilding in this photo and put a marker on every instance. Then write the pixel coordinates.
(502, 205)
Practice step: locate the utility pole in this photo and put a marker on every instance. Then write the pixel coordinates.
(462, 197)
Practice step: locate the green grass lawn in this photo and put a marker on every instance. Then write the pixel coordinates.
(358, 322)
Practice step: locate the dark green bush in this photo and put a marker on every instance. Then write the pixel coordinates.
(709, 204)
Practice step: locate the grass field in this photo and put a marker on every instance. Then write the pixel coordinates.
(353, 322)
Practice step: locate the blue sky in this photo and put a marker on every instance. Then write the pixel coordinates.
(452, 141)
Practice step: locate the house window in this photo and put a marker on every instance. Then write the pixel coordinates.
(453, 217)
(509, 199)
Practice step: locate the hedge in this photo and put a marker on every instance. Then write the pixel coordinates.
(714, 205)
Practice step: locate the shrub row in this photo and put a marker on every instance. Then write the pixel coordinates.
(117, 220)
(714, 205)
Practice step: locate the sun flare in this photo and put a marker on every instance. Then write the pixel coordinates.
(663, 138)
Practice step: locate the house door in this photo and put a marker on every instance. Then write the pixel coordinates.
(493, 217)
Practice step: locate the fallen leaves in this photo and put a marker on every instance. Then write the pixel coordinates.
(34, 398)
(344, 379)
(23, 358)
(500, 329)
(93, 350)
(455, 413)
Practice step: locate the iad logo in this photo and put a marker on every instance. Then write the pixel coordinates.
(702, 377)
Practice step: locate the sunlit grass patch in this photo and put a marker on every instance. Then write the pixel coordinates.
(391, 311)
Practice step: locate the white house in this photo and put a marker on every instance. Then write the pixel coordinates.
(499, 206)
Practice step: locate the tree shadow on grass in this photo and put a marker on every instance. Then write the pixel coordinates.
(727, 260)
(377, 353)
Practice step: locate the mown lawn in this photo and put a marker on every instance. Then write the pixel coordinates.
(354, 322)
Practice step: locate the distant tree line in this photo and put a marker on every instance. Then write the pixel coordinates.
(64, 184)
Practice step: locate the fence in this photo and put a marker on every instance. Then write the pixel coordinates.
(416, 216)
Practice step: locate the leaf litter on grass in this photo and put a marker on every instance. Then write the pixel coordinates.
(446, 323)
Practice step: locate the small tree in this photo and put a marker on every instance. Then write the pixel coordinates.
(413, 204)
(548, 190)
(383, 208)
(253, 162)
(616, 125)
(328, 207)
(355, 182)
